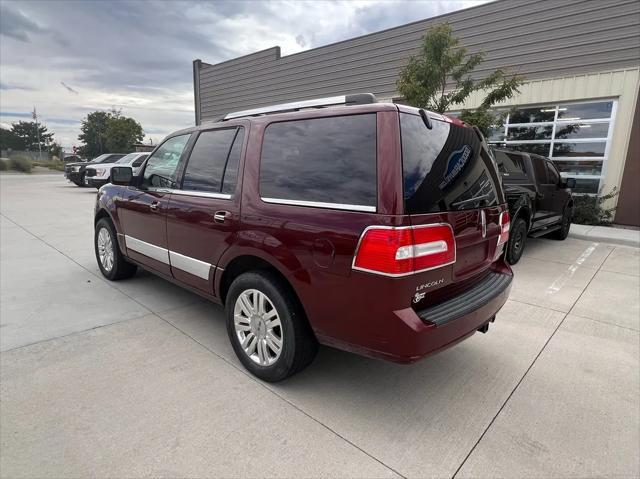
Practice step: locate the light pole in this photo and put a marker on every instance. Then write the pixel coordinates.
(35, 117)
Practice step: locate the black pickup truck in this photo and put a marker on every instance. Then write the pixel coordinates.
(540, 201)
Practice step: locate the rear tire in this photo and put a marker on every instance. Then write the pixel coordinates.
(267, 327)
(517, 240)
(565, 225)
(111, 261)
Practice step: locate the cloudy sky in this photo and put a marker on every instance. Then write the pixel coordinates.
(68, 58)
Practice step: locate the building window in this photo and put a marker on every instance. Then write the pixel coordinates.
(576, 136)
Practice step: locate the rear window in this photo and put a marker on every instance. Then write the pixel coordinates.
(510, 163)
(445, 168)
(321, 160)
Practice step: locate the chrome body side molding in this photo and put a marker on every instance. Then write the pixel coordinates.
(190, 265)
(319, 204)
(147, 249)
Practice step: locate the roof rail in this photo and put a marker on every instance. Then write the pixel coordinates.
(356, 99)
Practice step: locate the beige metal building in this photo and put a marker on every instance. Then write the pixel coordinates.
(579, 105)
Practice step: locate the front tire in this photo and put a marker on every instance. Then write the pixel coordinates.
(111, 261)
(517, 241)
(267, 327)
(565, 226)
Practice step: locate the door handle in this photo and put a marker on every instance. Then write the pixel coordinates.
(220, 216)
(154, 205)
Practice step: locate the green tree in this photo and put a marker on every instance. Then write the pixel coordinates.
(55, 149)
(439, 77)
(108, 132)
(9, 140)
(93, 136)
(29, 135)
(122, 133)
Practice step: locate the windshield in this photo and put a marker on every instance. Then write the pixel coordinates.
(127, 159)
(445, 168)
(99, 159)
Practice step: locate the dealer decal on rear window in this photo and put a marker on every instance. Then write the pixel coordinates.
(455, 164)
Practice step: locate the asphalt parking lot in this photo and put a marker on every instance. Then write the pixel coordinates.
(137, 378)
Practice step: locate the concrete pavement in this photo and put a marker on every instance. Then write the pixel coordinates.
(137, 378)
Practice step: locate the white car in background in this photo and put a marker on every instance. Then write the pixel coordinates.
(101, 174)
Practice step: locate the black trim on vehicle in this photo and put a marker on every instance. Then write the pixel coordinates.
(474, 298)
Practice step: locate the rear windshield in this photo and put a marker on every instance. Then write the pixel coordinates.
(509, 162)
(445, 168)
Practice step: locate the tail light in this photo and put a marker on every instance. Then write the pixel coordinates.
(504, 222)
(406, 250)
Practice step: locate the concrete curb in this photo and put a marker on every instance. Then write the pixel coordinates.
(606, 234)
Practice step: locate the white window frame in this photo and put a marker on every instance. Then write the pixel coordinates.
(562, 121)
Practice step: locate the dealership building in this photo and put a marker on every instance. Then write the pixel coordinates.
(578, 105)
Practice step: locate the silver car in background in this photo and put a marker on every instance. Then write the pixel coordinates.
(101, 174)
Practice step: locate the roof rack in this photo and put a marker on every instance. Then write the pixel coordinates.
(356, 99)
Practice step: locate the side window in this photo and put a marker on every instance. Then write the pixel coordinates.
(324, 160)
(553, 176)
(160, 171)
(139, 161)
(540, 169)
(208, 159)
(231, 172)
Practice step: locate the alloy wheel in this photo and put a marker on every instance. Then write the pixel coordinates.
(258, 327)
(105, 249)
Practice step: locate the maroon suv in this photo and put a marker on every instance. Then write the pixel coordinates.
(371, 227)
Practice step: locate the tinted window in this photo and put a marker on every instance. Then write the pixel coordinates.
(532, 115)
(529, 133)
(552, 174)
(579, 149)
(231, 172)
(329, 160)
(581, 130)
(584, 111)
(536, 148)
(445, 168)
(160, 171)
(139, 161)
(207, 161)
(510, 163)
(539, 168)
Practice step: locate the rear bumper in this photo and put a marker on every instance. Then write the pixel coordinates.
(411, 335)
